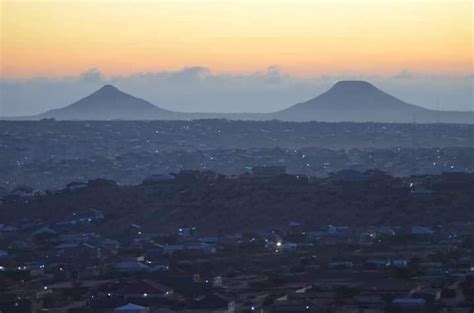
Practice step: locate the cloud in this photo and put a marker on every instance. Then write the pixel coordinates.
(92, 75)
(198, 89)
(404, 74)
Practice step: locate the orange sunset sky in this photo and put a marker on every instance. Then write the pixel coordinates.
(381, 37)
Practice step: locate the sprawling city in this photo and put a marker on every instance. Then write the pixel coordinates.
(191, 216)
(236, 156)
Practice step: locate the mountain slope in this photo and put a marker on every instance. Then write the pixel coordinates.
(360, 101)
(346, 101)
(110, 103)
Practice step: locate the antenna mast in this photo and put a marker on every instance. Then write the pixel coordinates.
(414, 130)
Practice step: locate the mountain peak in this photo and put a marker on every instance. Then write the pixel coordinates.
(354, 100)
(108, 103)
(353, 85)
(108, 89)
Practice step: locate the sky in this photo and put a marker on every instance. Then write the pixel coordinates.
(264, 54)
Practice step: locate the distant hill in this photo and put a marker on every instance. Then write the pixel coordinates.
(213, 203)
(346, 101)
(109, 103)
(360, 101)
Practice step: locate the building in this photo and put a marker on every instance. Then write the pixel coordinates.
(131, 308)
(211, 304)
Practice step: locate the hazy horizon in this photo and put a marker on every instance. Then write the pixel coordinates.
(198, 89)
(233, 56)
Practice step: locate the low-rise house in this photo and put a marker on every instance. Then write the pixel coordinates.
(340, 265)
(430, 295)
(210, 304)
(295, 307)
(45, 234)
(408, 305)
(338, 230)
(418, 230)
(130, 266)
(170, 249)
(399, 263)
(131, 308)
(143, 289)
(76, 186)
(377, 264)
(7, 229)
(155, 256)
(286, 247)
(209, 240)
(385, 231)
(110, 245)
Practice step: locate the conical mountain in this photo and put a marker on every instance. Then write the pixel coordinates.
(109, 103)
(346, 101)
(360, 101)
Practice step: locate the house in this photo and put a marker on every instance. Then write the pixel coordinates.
(183, 284)
(385, 231)
(110, 245)
(340, 265)
(158, 268)
(377, 264)
(209, 240)
(412, 305)
(44, 232)
(185, 232)
(7, 229)
(399, 263)
(429, 294)
(130, 266)
(45, 235)
(210, 304)
(143, 289)
(338, 230)
(421, 231)
(131, 308)
(190, 248)
(76, 186)
(286, 246)
(295, 307)
(170, 249)
(367, 238)
(156, 256)
(203, 248)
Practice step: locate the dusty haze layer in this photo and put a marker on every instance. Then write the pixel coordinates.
(346, 101)
(198, 89)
